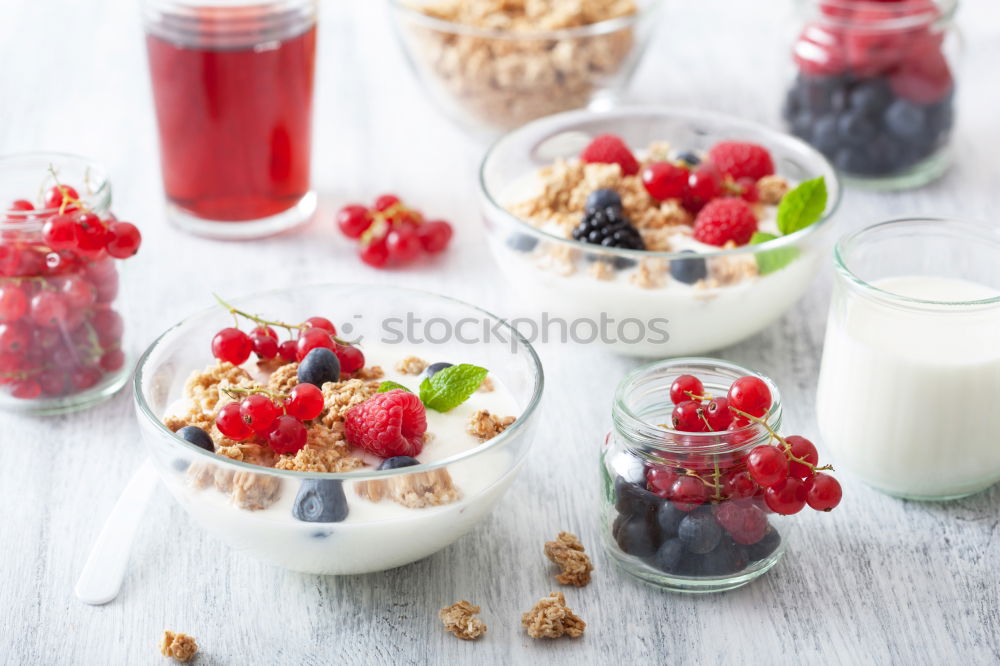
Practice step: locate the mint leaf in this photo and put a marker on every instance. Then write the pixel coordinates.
(449, 388)
(802, 206)
(390, 386)
(769, 261)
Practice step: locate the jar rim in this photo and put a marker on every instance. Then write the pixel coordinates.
(655, 436)
(898, 16)
(98, 195)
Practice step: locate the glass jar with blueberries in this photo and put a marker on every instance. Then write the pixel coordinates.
(679, 508)
(875, 88)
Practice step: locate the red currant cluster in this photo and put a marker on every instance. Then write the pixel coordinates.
(235, 346)
(274, 418)
(58, 331)
(391, 233)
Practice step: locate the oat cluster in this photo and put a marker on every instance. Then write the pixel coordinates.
(460, 619)
(567, 552)
(411, 365)
(415, 491)
(506, 80)
(552, 618)
(178, 646)
(486, 426)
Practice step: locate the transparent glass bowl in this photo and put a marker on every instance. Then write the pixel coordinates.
(490, 80)
(552, 273)
(206, 485)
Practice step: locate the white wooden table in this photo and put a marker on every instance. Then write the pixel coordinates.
(877, 581)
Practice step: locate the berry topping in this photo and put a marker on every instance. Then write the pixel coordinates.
(689, 270)
(287, 435)
(351, 358)
(230, 423)
(397, 462)
(435, 368)
(664, 180)
(601, 199)
(198, 437)
(265, 346)
(305, 402)
(689, 159)
(610, 228)
(319, 366)
(751, 395)
(320, 501)
(704, 184)
(232, 345)
(388, 424)
(724, 220)
(258, 411)
(313, 338)
(610, 149)
(321, 323)
(288, 350)
(741, 159)
(684, 385)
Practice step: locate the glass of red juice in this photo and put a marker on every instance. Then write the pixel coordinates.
(233, 86)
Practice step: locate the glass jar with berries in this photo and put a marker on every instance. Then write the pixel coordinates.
(61, 329)
(875, 87)
(696, 478)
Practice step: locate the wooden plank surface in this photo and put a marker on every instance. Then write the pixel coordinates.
(878, 581)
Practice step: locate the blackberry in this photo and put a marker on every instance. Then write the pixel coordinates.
(610, 228)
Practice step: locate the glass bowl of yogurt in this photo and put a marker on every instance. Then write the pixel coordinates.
(333, 508)
(677, 296)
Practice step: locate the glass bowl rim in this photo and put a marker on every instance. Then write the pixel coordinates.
(100, 197)
(590, 30)
(840, 263)
(144, 410)
(834, 189)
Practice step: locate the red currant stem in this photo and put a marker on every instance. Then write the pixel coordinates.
(784, 443)
(699, 398)
(234, 391)
(716, 475)
(66, 198)
(268, 322)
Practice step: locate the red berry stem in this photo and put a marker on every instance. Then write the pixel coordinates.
(235, 391)
(260, 321)
(784, 443)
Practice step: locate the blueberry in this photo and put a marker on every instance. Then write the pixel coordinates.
(802, 125)
(825, 134)
(634, 500)
(320, 501)
(904, 119)
(690, 270)
(668, 556)
(855, 128)
(398, 461)
(634, 538)
(763, 548)
(699, 532)
(435, 368)
(522, 242)
(669, 518)
(198, 437)
(792, 105)
(871, 97)
(855, 160)
(180, 464)
(725, 559)
(601, 199)
(689, 157)
(319, 366)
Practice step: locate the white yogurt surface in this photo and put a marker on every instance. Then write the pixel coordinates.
(908, 401)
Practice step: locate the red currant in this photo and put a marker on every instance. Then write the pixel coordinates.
(768, 465)
(232, 345)
(13, 302)
(687, 417)
(112, 360)
(59, 232)
(85, 378)
(751, 395)
(264, 330)
(26, 389)
(351, 358)
(265, 346)
(823, 492)
(804, 449)
(123, 240)
(91, 234)
(374, 253)
(682, 386)
(385, 202)
(664, 180)
(745, 522)
(353, 220)
(738, 485)
(321, 323)
(434, 235)
(748, 190)
(55, 195)
(20, 206)
(14, 338)
(229, 421)
(310, 339)
(258, 411)
(403, 245)
(53, 382)
(109, 327)
(287, 435)
(704, 184)
(660, 480)
(305, 402)
(48, 309)
(787, 497)
(718, 414)
(688, 493)
(79, 293)
(288, 350)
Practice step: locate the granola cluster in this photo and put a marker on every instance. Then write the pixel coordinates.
(460, 619)
(568, 553)
(415, 491)
(552, 618)
(178, 646)
(486, 426)
(506, 73)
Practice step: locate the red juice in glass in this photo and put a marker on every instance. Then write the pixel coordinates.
(232, 85)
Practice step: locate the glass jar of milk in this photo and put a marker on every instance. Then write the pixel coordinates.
(909, 390)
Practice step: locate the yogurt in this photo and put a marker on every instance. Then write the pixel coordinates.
(908, 395)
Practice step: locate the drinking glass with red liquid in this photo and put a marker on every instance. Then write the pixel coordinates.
(233, 86)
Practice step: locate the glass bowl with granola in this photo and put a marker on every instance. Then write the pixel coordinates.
(654, 231)
(493, 66)
(338, 429)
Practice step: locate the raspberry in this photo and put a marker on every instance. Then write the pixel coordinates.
(724, 220)
(610, 149)
(388, 424)
(740, 159)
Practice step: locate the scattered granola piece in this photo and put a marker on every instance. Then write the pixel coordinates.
(411, 365)
(460, 619)
(178, 646)
(771, 189)
(486, 386)
(568, 553)
(486, 426)
(551, 618)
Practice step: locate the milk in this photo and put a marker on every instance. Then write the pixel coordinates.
(909, 395)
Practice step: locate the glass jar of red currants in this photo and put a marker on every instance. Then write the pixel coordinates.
(60, 327)
(875, 87)
(695, 476)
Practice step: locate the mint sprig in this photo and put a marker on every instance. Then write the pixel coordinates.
(802, 206)
(769, 261)
(390, 385)
(449, 388)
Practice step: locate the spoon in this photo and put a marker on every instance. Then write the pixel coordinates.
(102, 575)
